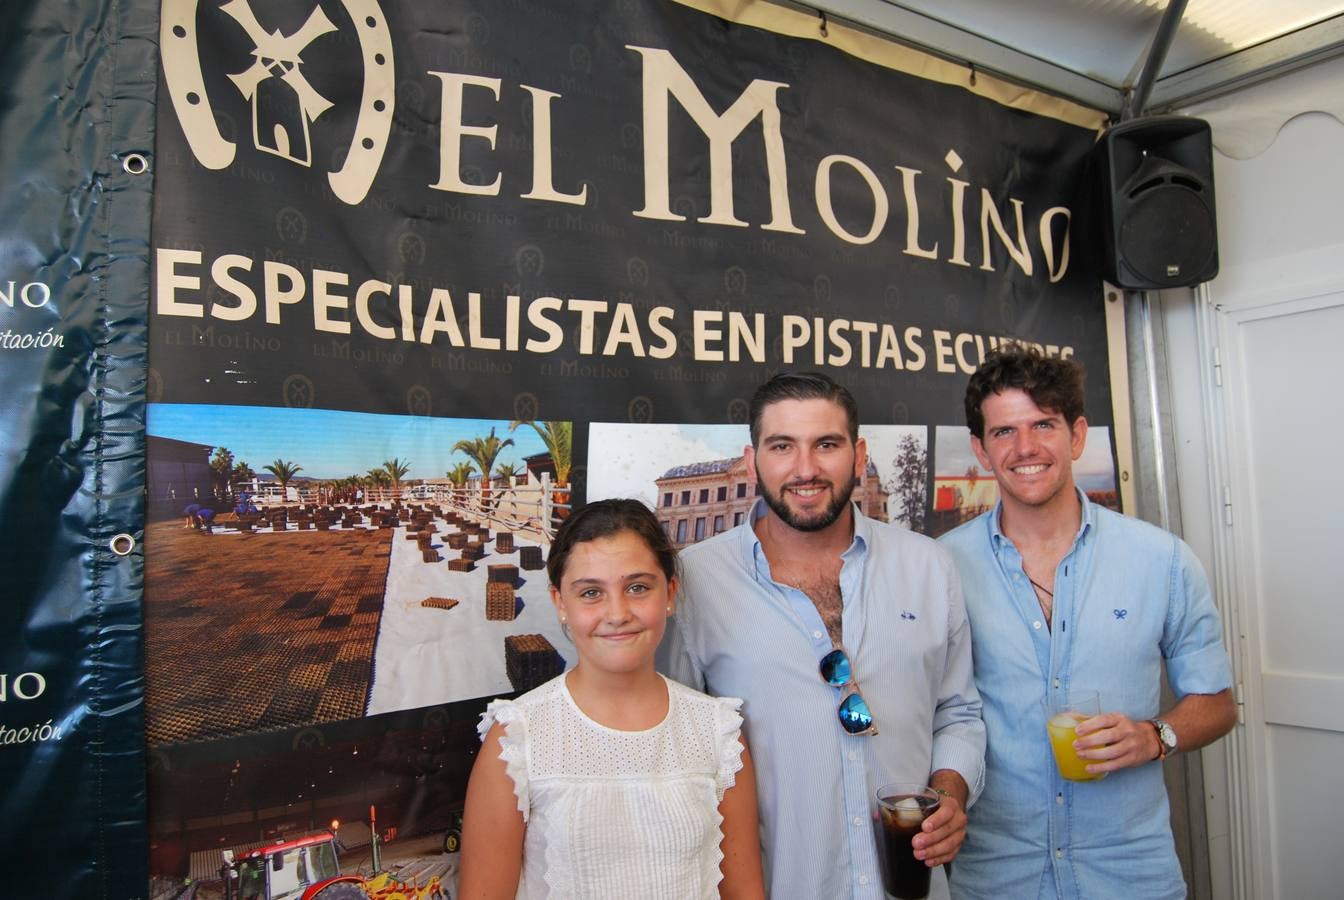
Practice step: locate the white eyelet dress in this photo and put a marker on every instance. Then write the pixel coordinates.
(619, 814)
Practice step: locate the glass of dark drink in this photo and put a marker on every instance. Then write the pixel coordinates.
(902, 810)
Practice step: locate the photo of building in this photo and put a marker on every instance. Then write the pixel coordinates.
(702, 499)
(697, 481)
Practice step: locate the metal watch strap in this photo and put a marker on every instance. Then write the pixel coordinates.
(1163, 728)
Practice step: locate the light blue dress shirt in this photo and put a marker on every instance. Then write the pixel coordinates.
(739, 633)
(1128, 597)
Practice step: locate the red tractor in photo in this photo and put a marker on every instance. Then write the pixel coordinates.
(307, 868)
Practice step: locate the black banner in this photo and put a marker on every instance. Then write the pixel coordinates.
(486, 210)
(76, 130)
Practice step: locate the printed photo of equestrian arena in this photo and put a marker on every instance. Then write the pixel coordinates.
(330, 599)
(696, 479)
(963, 490)
(311, 566)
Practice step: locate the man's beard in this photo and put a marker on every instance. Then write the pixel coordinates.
(820, 520)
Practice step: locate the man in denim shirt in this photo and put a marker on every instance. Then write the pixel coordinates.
(1067, 595)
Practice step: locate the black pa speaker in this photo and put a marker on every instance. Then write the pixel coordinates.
(1157, 202)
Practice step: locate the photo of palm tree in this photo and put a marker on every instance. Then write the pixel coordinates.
(338, 565)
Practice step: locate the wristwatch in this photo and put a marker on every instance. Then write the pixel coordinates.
(1166, 738)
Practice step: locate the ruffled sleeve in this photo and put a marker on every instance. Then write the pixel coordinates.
(513, 746)
(730, 742)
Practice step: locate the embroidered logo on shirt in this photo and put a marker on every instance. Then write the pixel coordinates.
(907, 615)
(1120, 614)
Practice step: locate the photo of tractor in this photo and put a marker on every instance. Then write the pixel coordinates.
(308, 868)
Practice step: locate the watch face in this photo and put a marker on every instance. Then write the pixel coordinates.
(1168, 736)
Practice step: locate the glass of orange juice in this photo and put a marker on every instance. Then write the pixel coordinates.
(1063, 711)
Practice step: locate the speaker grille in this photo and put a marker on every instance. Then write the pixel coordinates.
(1168, 235)
(1158, 219)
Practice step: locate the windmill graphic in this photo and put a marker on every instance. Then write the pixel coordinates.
(283, 102)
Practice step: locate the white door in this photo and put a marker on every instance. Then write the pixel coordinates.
(1283, 394)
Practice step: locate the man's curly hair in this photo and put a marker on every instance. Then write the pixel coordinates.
(1052, 384)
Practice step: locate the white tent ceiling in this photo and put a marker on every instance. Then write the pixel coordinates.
(1093, 51)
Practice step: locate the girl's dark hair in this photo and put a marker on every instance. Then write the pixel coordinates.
(603, 518)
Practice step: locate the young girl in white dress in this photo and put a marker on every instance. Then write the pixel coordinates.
(611, 781)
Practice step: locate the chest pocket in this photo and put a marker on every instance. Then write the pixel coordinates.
(1118, 622)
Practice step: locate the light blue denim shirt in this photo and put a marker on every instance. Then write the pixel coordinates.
(1129, 597)
(738, 632)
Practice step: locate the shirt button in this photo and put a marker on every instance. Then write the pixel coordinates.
(857, 821)
(1036, 625)
(853, 756)
(1059, 854)
(1059, 798)
(863, 879)
(1056, 682)
(817, 635)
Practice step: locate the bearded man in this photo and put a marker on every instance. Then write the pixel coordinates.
(848, 641)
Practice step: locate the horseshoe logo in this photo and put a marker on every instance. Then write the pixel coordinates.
(277, 56)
